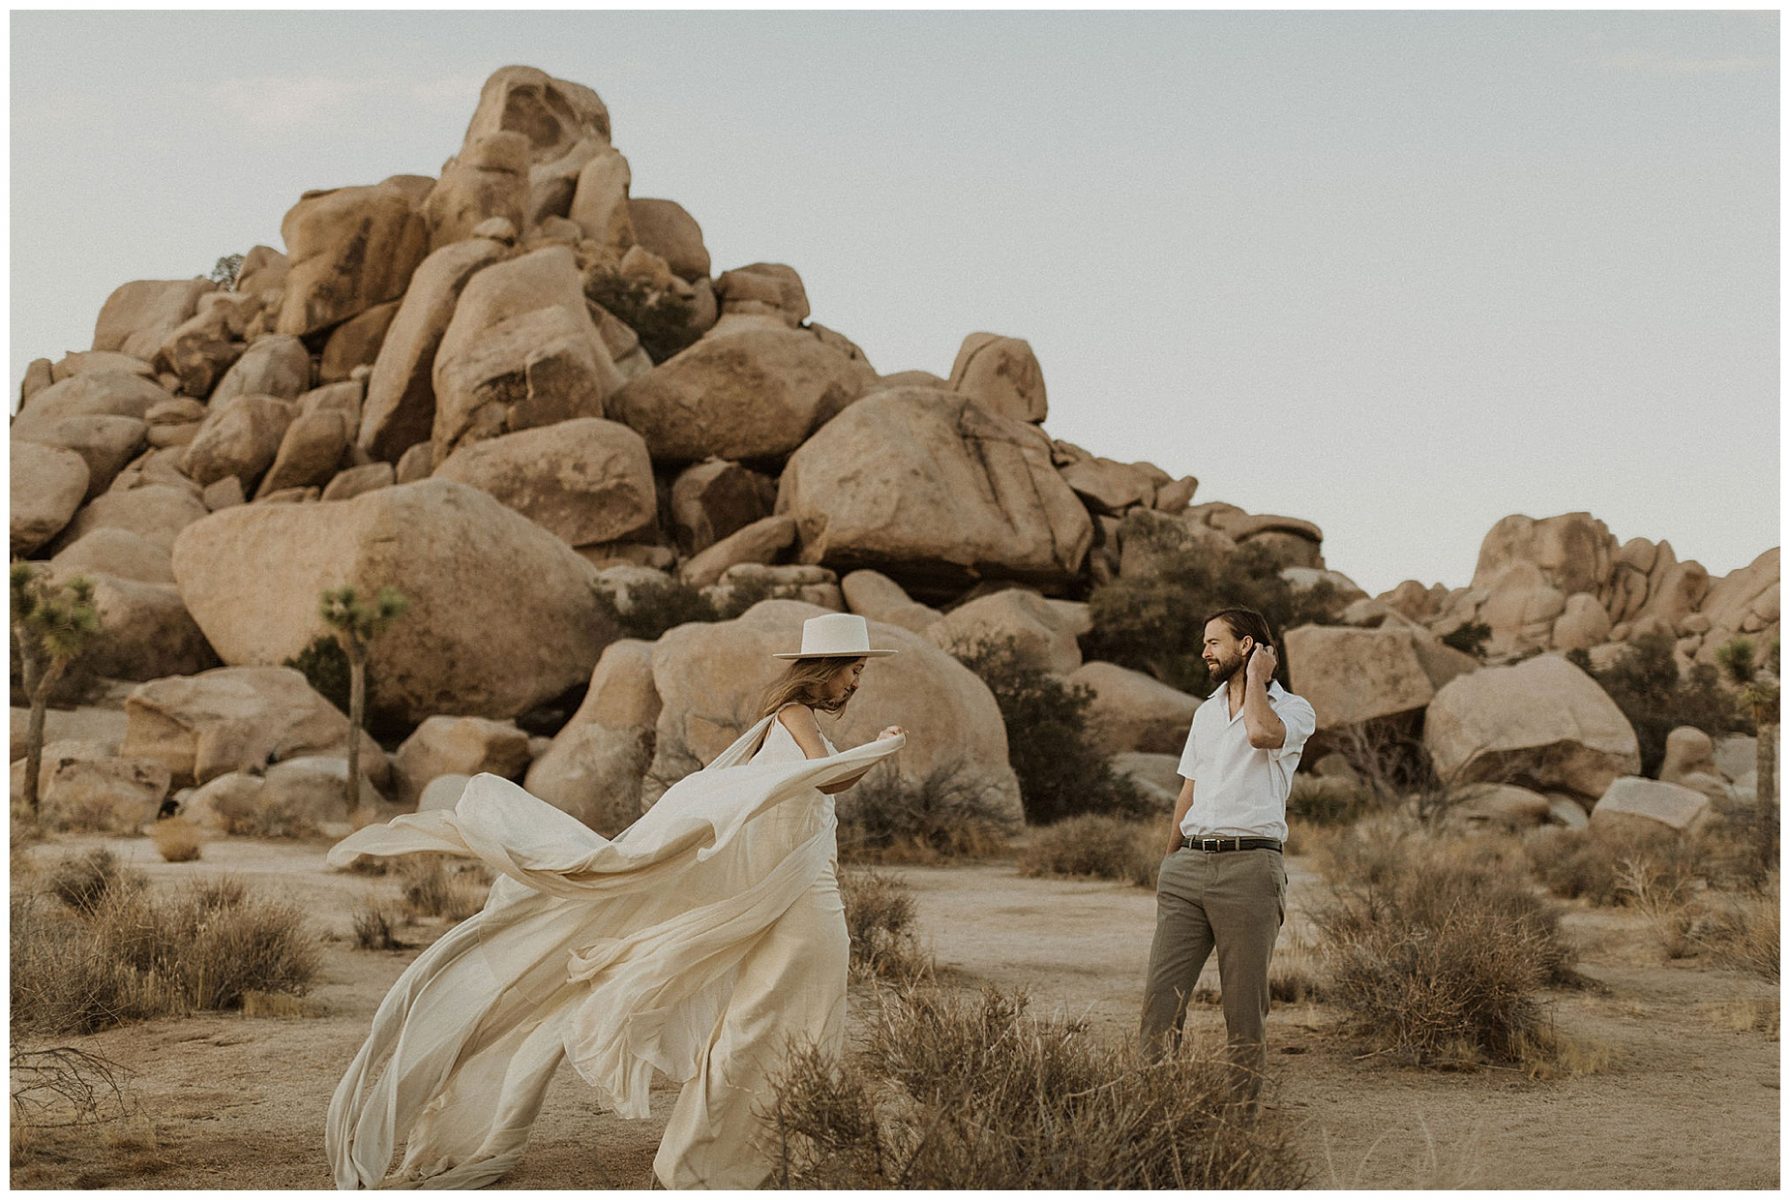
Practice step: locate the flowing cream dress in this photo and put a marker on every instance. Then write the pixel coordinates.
(696, 943)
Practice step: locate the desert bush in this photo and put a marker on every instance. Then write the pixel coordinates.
(133, 955)
(943, 814)
(375, 925)
(324, 664)
(1320, 801)
(1095, 844)
(62, 1086)
(1437, 949)
(177, 839)
(1469, 638)
(1743, 930)
(661, 319)
(1603, 866)
(971, 1093)
(659, 605)
(1061, 770)
(435, 886)
(1156, 624)
(85, 881)
(1645, 684)
(879, 917)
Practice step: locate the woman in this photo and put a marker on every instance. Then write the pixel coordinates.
(696, 943)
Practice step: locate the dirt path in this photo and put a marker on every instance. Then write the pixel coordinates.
(1688, 1100)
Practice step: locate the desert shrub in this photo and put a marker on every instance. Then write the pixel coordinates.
(177, 839)
(1061, 770)
(971, 1093)
(661, 319)
(61, 1086)
(879, 917)
(1156, 623)
(324, 664)
(1321, 801)
(658, 605)
(85, 881)
(1592, 864)
(1096, 844)
(943, 814)
(1742, 930)
(1645, 684)
(375, 925)
(434, 886)
(1437, 950)
(134, 956)
(225, 270)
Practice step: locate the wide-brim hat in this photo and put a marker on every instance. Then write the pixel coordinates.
(836, 635)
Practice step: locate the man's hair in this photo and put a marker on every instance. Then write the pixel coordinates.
(1245, 623)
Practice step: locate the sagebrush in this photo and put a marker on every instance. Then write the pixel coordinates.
(1097, 845)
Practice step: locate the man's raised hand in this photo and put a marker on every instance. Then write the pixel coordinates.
(1262, 664)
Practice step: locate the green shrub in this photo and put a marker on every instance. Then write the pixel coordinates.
(1061, 771)
(1156, 624)
(970, 1093)
(660, 318)
(889, 817)
(1098, 845)
(654, 607)
(1645, 684)
(324, 664)
(1469, 638)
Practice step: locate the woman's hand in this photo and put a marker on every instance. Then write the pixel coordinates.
(891, 731)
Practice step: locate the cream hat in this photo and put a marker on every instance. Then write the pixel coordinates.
(836, 635)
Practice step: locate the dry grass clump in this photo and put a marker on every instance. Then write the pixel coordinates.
(177, 839)
(1099, 845)
(130, 955)
(375, 925)
(945, 814)
(1741, 930)
(879, 917)
(83, 882)
(1317, 800)
(1438, 950)
(970, 1093)
(1598, 865)
(436, 886)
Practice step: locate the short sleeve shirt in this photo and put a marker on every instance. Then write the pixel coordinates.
(1240, 791)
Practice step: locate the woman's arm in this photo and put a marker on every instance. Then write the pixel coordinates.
(799, 720)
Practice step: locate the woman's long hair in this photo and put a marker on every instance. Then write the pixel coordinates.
(803, 682)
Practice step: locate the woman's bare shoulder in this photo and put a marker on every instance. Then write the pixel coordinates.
(797, 717)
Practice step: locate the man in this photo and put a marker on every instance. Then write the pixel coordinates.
(1224, 883)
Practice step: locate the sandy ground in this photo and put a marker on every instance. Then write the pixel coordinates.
(1689, 1099)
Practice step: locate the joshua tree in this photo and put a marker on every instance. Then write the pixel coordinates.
(54, 623)
(357, 621)
(1758, 690)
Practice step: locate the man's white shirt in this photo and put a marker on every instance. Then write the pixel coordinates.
(1240, 791)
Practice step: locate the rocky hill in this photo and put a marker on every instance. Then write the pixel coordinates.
(525, 398)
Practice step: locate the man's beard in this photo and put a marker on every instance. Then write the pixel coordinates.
(1222, 671)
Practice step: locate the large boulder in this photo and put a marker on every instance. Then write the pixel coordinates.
(599, 204)
(1159, 775)
(762, 293)
(457, 746)
(310, 451)
(595, 774)
(663, 227)
(350, 248)
(1132, 712)
(1744, 601)
(86, 786)
(1542, 724)
(105, 444)
(875, 596)
(91, 394)
(934, 489)
(759, 542)
(488, 178)
(711, 677)
(83, 723)
(112, 551)
(1501, 805)
(622, 694)
(1038, 631)
(236, 718)
(1352, 676)
(502, 616)
(1573, 552)
(155, 512)
(553, 114)
(400, 407)
(138, 316)
(1109, 487)
(714, 499)
(755, 393)
(587, 480)
(1002, 373)
(146, 631)
(48, 485)
(1650, 806)
(521, 351)
(355, 342)
(241, 437)
(203, 348)
(273, 366)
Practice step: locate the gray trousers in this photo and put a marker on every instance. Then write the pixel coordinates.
(1233, 901)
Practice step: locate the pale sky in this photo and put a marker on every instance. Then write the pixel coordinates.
(1401, 274)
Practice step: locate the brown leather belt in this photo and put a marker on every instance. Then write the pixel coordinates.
(1213, 845)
